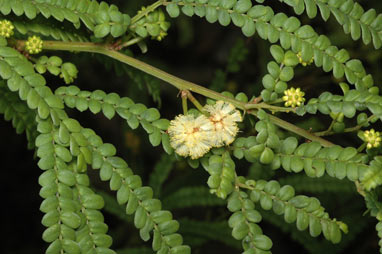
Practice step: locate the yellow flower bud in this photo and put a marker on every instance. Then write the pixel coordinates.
(372, 138)
(6, 28)
(293, 97)
(302, 62)
(33, 45)
(161, 35)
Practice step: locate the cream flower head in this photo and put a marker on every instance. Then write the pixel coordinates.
(223, 116)
(190, 135)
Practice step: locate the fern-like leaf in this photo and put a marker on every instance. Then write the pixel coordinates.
(101, 18)
(349, 14)
(110, 104)
(278, 28)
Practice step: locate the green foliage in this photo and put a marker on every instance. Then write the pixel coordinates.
(54, 65)
(72, 199)
(153, 24)
(111, 104)
(348, 104)
(350, 14)
(305, 211)
(280, 72)
(244, 221)
(287, 30)
(315, 245)
(50, 30)
(21, 116)
(100, 18)
(315, 160)
(148, 215)
(372, 177)
(222, 171)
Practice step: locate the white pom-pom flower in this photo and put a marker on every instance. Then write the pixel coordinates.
(224, 117)
(191, 135)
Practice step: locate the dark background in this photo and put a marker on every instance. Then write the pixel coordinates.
(194, 50)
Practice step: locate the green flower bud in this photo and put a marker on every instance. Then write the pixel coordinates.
(68, 72)
(267, 156)
(338, 127)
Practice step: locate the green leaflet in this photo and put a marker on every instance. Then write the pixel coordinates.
(348, 104)
(173, 10)
(57, 159)
(21, 116)
(48, 29)
(350, 14)
(243, 223)
(100, 18)
(305, 211)
(290, 33)
(137, 199)
(112, 104)
(372, 176)
(311, 158)
(72, 217)
(222, 174)
(59, 197)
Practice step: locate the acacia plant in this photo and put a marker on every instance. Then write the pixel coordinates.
(276, 126)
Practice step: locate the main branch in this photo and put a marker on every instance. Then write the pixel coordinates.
(250, 108)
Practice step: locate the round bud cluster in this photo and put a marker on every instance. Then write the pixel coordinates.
(293, 97)
(164, 26)
(302, 62)
(372, 138)
(194, 136)
(152, 24)
(6, 28)
(33, 45)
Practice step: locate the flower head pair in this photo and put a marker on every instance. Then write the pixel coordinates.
(194, 136)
